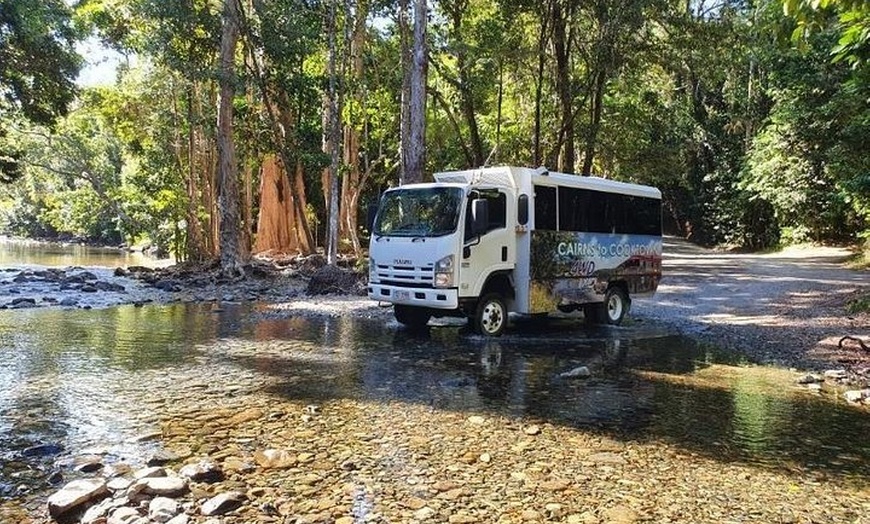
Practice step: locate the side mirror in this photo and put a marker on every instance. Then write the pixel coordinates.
(370, 217)
(523, 210)
(479, 216)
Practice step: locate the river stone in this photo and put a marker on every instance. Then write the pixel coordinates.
(153, 471)
(223, 503)
(532, 430)
(202, 471)
(162, 509)
(75, 494)
(836, 374)
(274, 459)
(161, 458)
(856, 395)
(118, 484)
(42, 450)
(606, 457)
(181, 518)
(424, 514)
(96, 512)
(123, 515)
(69, 301)
(165, 486)
(23, 302)
(88, 463)
(810, 379)
(578, 372)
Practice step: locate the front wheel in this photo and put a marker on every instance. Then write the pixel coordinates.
(491, 317)
(411, 317)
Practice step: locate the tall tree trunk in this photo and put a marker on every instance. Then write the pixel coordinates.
(275, 231)
(228, 198)
(405, 109)
(352, 184)
(300, 205)
(334, 137)
(415, 149)
(194, 248)
(562, 49)
(543, 38)
(596, 106)
(466, 93)
(284, 126)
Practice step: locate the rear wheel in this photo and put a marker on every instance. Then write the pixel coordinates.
(616, 305)
(491, 317)
(411, 317)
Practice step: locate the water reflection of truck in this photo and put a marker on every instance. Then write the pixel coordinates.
(486, 242)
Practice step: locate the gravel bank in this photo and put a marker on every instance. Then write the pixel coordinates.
(785, 308)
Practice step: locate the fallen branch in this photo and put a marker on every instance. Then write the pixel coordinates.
(860, 342)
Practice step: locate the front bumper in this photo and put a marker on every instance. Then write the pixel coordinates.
(446, 298)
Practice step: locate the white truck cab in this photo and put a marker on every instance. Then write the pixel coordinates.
(482, 243)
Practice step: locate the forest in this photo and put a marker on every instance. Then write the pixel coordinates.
(236, 127)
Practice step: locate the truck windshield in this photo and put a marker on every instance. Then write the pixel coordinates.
(419, 212)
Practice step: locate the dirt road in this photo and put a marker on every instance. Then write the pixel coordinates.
(784, 308)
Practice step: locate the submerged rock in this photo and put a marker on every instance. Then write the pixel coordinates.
(223, 503)
(202, 471)
(578, 372)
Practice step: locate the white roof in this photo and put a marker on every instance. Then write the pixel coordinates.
(517, 177)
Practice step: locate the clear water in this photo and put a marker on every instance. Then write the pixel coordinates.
(19, 253)
(76, 379)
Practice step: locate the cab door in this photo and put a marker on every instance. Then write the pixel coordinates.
(494, 250)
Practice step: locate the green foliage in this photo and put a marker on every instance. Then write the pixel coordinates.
(38, 63)
(38, 66)
(860, 304)
(753, 140)
(852, 26)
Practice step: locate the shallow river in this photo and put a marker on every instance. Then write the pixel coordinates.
(73, 382)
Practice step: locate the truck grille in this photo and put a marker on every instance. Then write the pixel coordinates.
(406, 276)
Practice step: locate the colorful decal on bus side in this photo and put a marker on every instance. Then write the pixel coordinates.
(576, 268)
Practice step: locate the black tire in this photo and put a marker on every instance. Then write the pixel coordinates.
(616, 306)
(412, 317)
(491, 316)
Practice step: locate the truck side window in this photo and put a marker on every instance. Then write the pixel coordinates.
(497, 211)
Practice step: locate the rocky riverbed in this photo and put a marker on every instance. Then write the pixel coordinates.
(246, 443)
(244, 449)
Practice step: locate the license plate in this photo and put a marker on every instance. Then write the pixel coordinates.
(399, 294)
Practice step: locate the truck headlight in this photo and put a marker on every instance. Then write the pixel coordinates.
(444, 272)
(373, 270)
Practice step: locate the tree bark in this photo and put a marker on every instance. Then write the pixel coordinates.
(416, 145)
(333, 130)
(562, 50)
(228, 196)
(597, 101)
(275, 231)
(352, 184)
(405, 105)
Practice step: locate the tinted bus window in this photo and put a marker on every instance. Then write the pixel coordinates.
(574, 209)
(545, 208)
(601, 212)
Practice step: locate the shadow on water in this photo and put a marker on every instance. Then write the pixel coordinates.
(71, 381)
